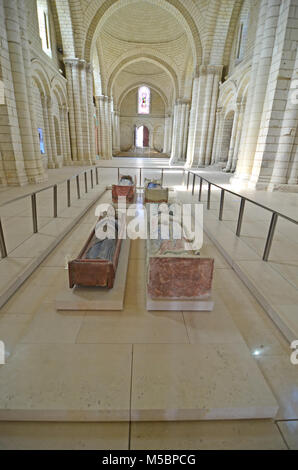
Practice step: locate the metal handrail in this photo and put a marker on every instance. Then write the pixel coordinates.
(32, 195)
(243, 200)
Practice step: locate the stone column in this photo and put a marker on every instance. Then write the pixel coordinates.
(63, 135)
(110, 127)
(52, 134)
(212, 115)
(166, 132)
(193, 121)
(19, 58)
(202, 115)
(238, 136)
(261, 63)
(116, 131)
(180, 128)
(216, 135)
(209, 110)
(293, 178)
(84, 118)
(72, 124)
(91, 112)
(185, 130)
(103, 104)
(73, 67)
(67, 136)
(47, 135)
(233, 139)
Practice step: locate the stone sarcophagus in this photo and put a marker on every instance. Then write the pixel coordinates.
(97, 262)
(154, 192)
(180, 277)
(126, 187)
(175, 270)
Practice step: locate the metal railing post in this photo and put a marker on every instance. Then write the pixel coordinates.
(68, 194)
(162, 176)
(86, 183)
(209, 196)
(55, 200)
(240, 217)
(2, 242)
(96, 175)
(140, 176)
(193, 184)
(34, 213)
(221, 206)
(270, 236)
(91, 176)
(118, 175)
(200, 190)
(78, 186)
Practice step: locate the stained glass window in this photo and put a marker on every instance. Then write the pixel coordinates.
(144, 100)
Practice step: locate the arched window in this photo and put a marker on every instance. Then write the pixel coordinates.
(44, 26)
(144, 100)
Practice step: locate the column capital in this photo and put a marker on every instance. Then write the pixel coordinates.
(182, 101)
(210, 69)
(71, 61)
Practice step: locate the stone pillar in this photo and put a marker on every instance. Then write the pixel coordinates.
(285, 164)
(19, 59)
(47, 135)
(63, 136)
(72, 124)
(81, 110)
(84, 118)
(180, 128)
(167, 135)
(238, 136)
(91, 113)
(209, 110)
(257, 109)
(212, 115)
(103, 105)
(52, 134)
(193, 121)
(116, 131)
(202, 115)
(293, 178)
(185, 130)
(216, 140)
(233, 138)
(110, 126)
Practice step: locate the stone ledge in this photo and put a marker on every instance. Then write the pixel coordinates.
(23, 275)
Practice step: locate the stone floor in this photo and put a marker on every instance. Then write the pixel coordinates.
(32, 329)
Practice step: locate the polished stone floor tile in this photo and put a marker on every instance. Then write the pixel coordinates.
(33, 246)
(27, 299)
(216, 326)
(12, 329)
(133, 327)
(10, 269)
(51, 326)
(63, 436)
(289, 430)
(198, 382)
(215, 435)
(68, 382)
(282, 377)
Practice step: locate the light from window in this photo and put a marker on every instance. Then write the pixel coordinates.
(144, 100)
(239, 46)
(43, 23)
